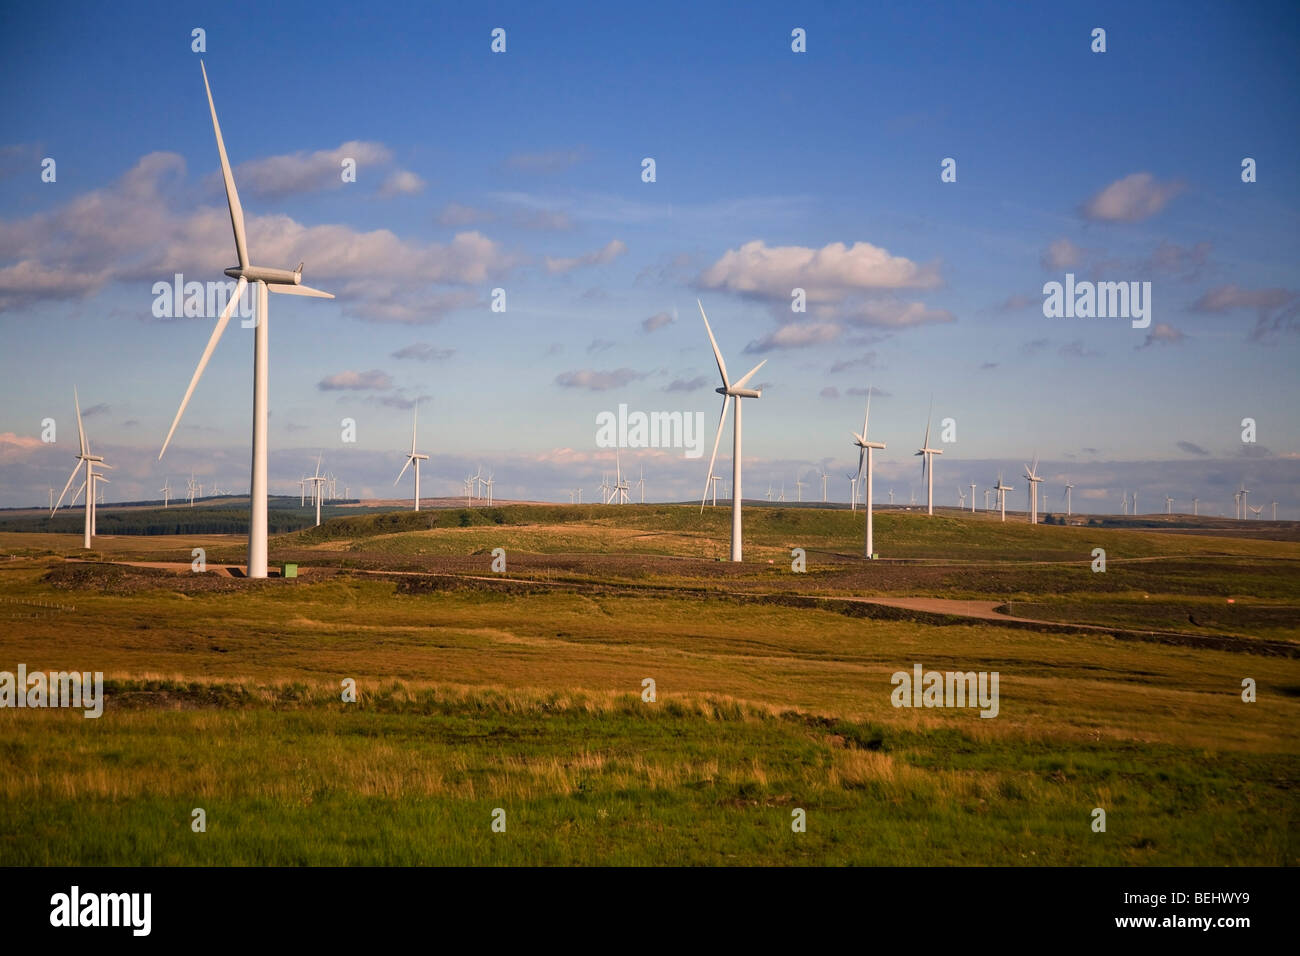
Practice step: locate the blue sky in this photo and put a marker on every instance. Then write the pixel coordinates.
(522, 171)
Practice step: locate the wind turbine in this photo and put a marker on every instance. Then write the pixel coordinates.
(798, 487)
(1244, 492)
(715, 479)
(824, 477)
(1254, 509)
(739, 392)
(190, 487)
(620, 487)
(987, 492)
(1068, 487)
(865, 449)
(1274, 510)
(853, 490)
(1135, 503)
(891, 496)
(1032, 475)
(1196, 507)
(318, 480)
(769, 491)
(1169, 505)
(268, 280)
(491, 480)
(414, 457)
(1124, 507)
(1002, 490)
(88, 461)
(641, 484)
(972, 497)
(95, 479)
(927, 462)
(166, 491)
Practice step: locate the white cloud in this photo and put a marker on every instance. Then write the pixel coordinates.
(1135, 197)
(828, 274)
(275, 177)
(373, 380)
(612, 250)
(401, 182)
(796, 335)
(597, 381)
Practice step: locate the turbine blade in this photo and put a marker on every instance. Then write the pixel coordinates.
(722, 420)
(749, 374)
(288, 288)
(862, 457)
(232, 196)
(722, 366)
(71, 478)
(403, 471)
(867, 415)
(80, 489)
(81, 432)
(415, 420)
(207, 354)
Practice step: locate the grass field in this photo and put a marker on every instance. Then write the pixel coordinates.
(523, 691)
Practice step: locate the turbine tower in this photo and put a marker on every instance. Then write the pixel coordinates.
(865, 448)
(1169, 505)
(1002, 490)
(166, 491)
(927, 462)
(268, 280)
(1068, 488)
(739, 392)
(1244, 505)
(1032, 475)
(972, 497)
(414, 457)
(87, 461)
(1196, 507)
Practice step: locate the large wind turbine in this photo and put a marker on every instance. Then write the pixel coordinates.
(927, 462)
(1031, 474)
(1068, 489)
(166, 491)
(864, 458)
(1002, 490)
(728, 391)
(414, 457)
(88, 461)
(268, 280)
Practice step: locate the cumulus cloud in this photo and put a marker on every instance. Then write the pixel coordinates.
(275, 177)
(1162, 333)
(423, 352)
(827, 275)
(866, 360)
(1276, 309)
(1062, 254)
(796, 335)
(611, 251)
(1135, 197)
(893, 313)
(656, 321)
(127, 231)
(687, 385)
(373, 380)
(401, 182)
(597, 381)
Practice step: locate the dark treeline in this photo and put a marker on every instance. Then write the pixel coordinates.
(178, 519)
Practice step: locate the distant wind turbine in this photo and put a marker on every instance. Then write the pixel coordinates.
(414, 457)
(1001, 491)
(1032, 475)
(318, 480)
(927, 462)
(865, 449)
(87, 461)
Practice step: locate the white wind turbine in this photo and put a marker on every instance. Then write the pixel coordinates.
(1031, 474)
(166, 491)
(190, 487)
(1274, 510)
(891, 496)
(927, 462)
(824, 477)
(853, 491)
(739, 392)
(620, 487)
(714, 479)
(1068, 489)
(641, 484)
(1169, 505)
(490, 481)
(798, 485)
(414, 457)
(317, 481)
(1254, 509)
(987, 492)
(865, 449)
(1002, 490)
(1196, 502)
(267, 280)
(1244, 492)
(87, 461)
(972, 497)
(961, 498)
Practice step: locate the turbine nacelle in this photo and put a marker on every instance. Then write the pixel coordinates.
(741, 392)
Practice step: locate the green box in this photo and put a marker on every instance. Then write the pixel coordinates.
(291, 570)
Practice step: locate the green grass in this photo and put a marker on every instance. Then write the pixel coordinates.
(478, 693)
